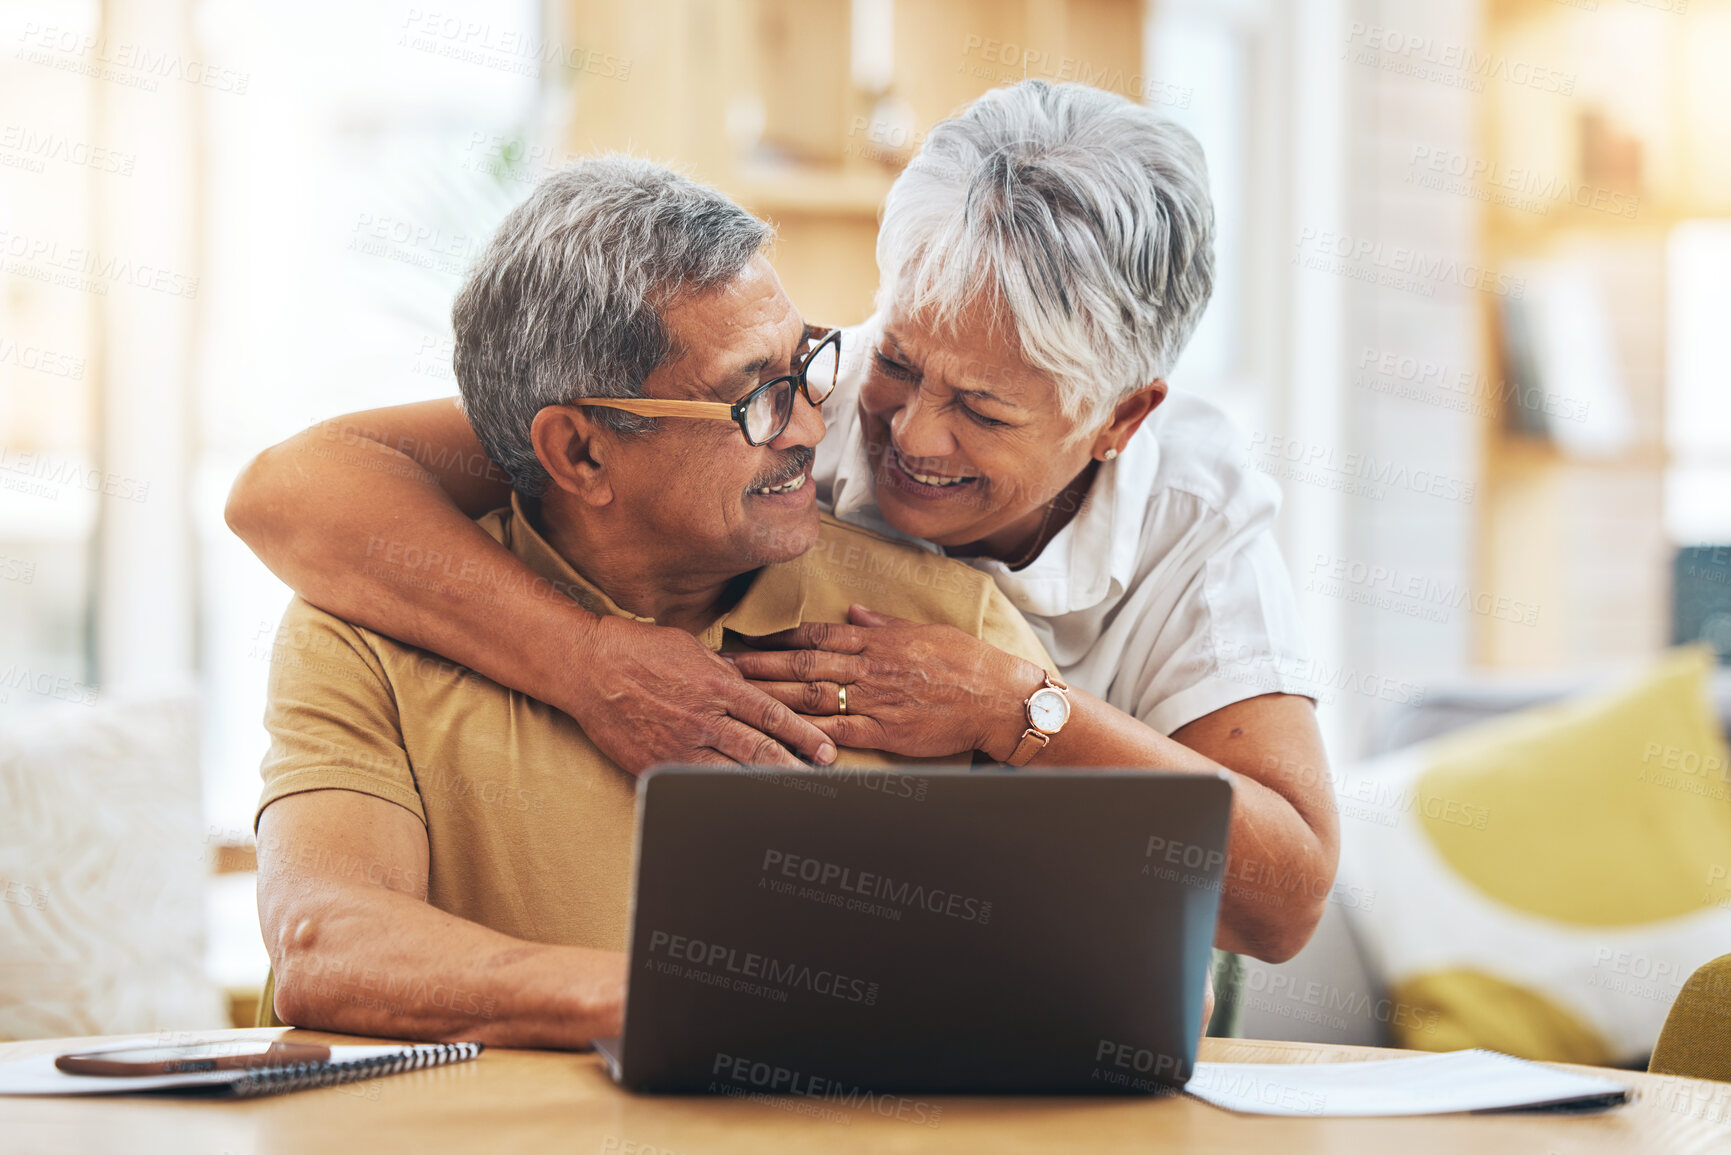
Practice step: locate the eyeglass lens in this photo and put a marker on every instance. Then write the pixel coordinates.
(769, 411)
(821, 370)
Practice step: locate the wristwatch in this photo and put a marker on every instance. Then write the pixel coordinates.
(1048, 708)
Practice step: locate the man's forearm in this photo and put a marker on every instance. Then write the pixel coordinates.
(369, 961)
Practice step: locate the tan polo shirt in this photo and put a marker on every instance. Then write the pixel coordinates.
(528, 825)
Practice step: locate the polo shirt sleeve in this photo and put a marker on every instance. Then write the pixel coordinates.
(1233, 633)
(332, 715)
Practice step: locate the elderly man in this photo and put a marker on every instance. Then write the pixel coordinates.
(441, 856)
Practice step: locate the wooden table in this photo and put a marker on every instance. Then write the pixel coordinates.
(544, 1101)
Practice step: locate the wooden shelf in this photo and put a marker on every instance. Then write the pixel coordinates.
(1582, 536)
(805, 190)
(1512, 452)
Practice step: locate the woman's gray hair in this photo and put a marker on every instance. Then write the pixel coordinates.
(1084, 214)
(567, 299)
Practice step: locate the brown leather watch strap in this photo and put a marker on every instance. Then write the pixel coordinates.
(1031, 744)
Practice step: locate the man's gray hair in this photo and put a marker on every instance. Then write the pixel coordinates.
(567, 299)
(1085, 215)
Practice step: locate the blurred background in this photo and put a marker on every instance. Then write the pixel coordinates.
(1473, 311)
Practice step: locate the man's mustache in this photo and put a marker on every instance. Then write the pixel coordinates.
(798, 459)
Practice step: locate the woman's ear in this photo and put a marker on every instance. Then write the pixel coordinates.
(1127, 418)
(576, 452)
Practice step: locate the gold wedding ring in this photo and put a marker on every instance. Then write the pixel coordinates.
(841, 699)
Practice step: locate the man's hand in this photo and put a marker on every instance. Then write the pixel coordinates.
(650, 694)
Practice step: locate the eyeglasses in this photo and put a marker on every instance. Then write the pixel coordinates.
(762, 415)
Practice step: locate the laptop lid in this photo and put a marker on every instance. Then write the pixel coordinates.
(832, 931)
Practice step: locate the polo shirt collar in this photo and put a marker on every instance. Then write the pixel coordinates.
(773, 601)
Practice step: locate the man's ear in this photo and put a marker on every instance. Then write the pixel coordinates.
(576, 451)
(1127, 418)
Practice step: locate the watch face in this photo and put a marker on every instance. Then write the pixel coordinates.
(1048, 710)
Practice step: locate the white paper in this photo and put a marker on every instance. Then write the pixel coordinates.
(39, 1075)
(1419, 1085)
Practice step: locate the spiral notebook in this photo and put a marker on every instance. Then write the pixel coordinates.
(39, 1076)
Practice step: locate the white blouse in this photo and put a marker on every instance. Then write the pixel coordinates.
(1165, 595)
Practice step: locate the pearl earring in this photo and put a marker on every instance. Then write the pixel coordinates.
(1110, 454)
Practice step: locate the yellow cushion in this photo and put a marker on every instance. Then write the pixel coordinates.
(1603, 811)
(1544, 882)
(1464, 1009)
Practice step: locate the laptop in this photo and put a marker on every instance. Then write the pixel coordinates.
(835, 932)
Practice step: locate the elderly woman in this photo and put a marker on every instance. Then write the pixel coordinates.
(1043, 259)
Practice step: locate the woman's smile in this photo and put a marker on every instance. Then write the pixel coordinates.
(916, 479)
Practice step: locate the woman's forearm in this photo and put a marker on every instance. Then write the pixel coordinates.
(350, 518)
(1282, 845)
(368, 518)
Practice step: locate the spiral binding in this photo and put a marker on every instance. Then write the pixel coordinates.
(304, 1076)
